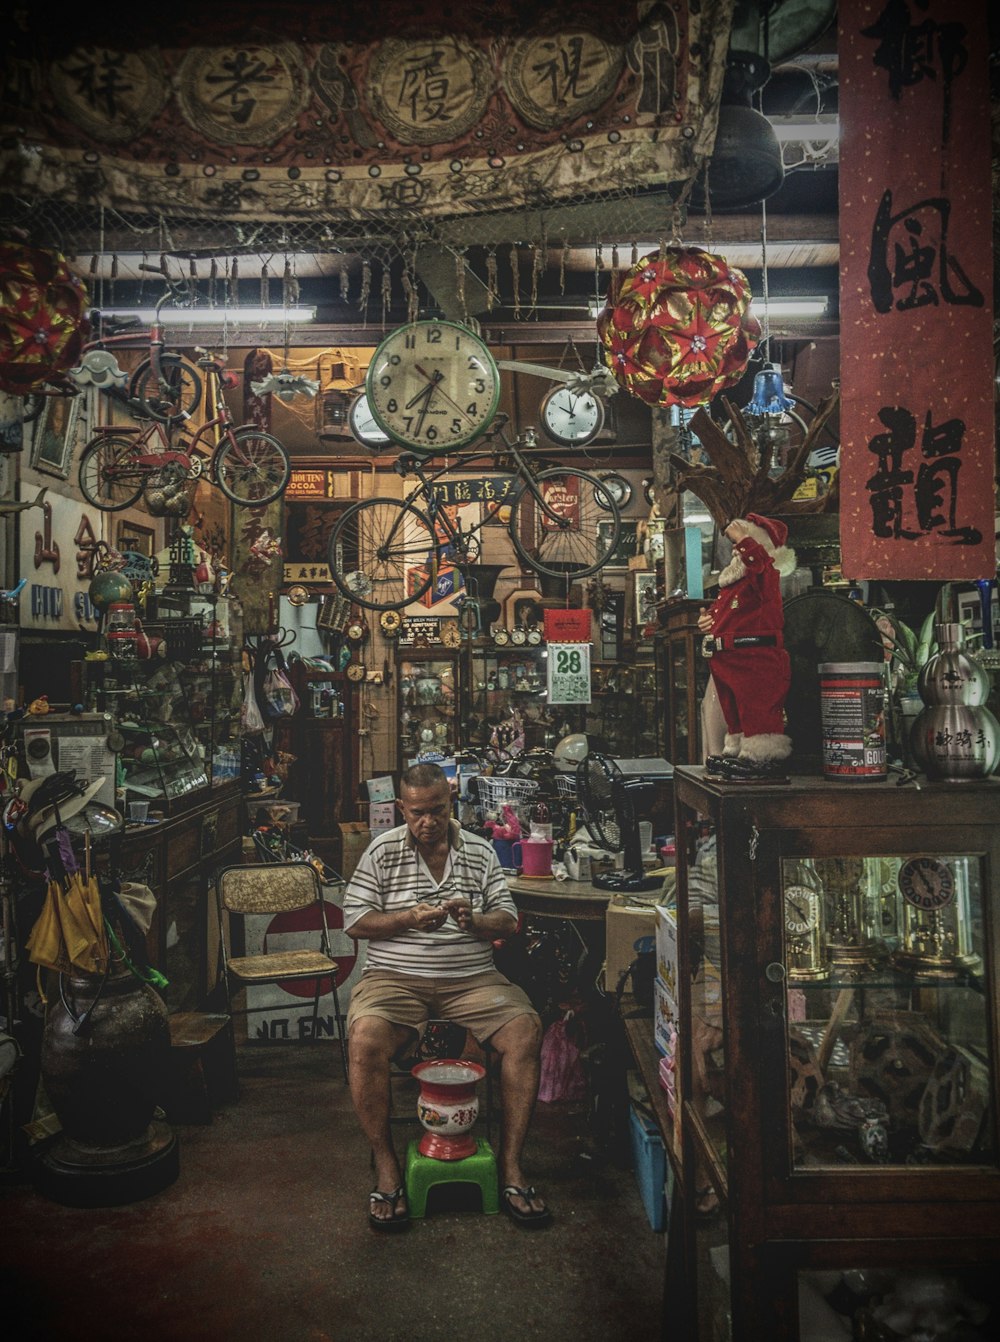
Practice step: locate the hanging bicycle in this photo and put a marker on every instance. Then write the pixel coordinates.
(563, 523)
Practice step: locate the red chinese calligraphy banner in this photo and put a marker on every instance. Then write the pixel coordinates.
(916, 291)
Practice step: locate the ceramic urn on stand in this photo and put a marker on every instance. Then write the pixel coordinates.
(955, 737)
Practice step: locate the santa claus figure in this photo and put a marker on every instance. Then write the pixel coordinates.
(750, 667)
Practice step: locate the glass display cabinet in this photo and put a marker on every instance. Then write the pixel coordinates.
(682, 674)
(504, 681)
(839, 1034)
(427, 707)
(625, 713)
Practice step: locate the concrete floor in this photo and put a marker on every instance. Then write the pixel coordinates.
(264, 1236)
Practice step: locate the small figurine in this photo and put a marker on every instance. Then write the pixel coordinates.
(750, 668)
(38, 707)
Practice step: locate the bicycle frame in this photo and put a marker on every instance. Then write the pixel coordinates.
(163, 454)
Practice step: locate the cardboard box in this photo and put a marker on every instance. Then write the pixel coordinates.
(666, 950)
(354, 839)
(629, 930)
(664, 1019)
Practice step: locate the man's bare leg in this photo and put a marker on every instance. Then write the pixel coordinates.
(519, 1046)
(373, 1042)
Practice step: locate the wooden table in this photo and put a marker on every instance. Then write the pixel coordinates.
(545, 897)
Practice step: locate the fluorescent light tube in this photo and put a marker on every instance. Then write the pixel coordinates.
(790, 307)
(216, 316)
(825, 127)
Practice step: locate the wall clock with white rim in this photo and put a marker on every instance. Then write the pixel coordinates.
(433, 386)
(355, 671)
(571, 418)
(364, 426)
(619, 489)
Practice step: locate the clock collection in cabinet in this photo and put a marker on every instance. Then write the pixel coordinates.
(837, 1112)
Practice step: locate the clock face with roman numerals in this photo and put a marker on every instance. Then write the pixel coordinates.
(433, 386)
(926, 883)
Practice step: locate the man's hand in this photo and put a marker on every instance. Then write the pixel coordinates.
(461, 911)
(704, 620)
(428, 917)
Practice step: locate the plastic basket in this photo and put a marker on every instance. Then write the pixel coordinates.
(494, 792)
(566, 786)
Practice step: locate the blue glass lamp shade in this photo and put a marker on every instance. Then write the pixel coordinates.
(769, 392)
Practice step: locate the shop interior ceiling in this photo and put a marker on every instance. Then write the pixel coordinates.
(530, 271)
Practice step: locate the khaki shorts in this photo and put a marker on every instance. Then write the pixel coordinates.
(480, 1002)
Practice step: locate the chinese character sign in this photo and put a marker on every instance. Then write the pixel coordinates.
(916, 282)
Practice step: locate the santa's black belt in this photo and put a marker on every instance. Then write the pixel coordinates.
(712, 644)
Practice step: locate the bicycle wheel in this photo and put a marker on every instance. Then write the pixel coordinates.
(378, 553)
(173, 396)
(251, 467)
(110, 477)
(583, 538)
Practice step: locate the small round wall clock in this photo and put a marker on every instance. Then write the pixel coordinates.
(390, 622)
(619, 489)
(357, 631)
(355, 671)
(433, 386)
(450, 634)
(364, 426)
(571, 418)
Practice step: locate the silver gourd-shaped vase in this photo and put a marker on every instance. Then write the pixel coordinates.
(955, 737)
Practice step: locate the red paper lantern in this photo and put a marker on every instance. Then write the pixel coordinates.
(43, 324)
(678, 331)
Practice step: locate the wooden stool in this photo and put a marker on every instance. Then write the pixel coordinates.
(423, 1173)
(202, 1066)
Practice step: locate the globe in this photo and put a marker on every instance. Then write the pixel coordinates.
(108, 587)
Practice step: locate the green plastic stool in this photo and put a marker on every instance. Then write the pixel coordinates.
(424, 1172)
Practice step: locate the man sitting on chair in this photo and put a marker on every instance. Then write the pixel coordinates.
(430, 898)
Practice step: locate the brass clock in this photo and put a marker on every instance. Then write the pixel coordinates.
(390, 622)
(450, 634)
(803, 947)
(355, 671)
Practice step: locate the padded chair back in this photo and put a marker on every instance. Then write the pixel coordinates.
(269, 887)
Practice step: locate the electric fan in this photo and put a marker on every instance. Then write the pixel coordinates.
(608, 799)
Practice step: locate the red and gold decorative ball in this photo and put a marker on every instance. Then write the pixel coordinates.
(678, 330)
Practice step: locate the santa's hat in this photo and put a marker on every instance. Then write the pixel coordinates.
(772, 534)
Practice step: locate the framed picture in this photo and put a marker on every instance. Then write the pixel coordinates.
(55, 433)
(644, 606)
(628, 541)
(522, 608)
(136, 538)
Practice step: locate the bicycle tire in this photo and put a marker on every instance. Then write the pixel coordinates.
(120, 491)
(172, 397)
(387, 541)
(251, 467)
(584, 546)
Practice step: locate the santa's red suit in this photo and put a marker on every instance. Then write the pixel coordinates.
(749, 664)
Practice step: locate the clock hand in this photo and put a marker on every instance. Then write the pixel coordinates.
(423, 394)
(436, 382)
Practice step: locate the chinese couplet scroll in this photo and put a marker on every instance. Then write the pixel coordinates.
(916, 291)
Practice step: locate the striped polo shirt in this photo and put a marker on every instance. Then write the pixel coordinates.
(390, 876)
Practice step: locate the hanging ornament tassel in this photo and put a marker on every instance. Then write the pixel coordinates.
(411, 297)
(234, 283)
(193, 268)
(114, 266)
(537, 254)
(344, 278)
(265, 286)
(366, 286)
(635, 254)
(615, 275)
(491, 278)
(515, 271)
(289, 286)
(563, 255)
(460, 282)
(386, 291)
(213, 280)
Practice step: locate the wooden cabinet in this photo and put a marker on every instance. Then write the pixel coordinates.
(682, 674)
(178, 859)
(839, 1031)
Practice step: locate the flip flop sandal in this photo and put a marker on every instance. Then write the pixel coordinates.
(529, 1218)
(387, 1223)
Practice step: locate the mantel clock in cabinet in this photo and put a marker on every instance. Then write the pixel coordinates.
(839, 1029)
